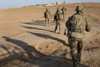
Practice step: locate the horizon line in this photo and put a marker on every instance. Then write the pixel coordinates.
(50, 3)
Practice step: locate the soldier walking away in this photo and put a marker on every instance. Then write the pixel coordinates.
(64, 12)
(58, 17)
(47, 17)
(76, 26)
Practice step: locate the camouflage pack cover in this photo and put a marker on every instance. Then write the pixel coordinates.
(47, 14)
(59, 15)
(77, 35)
(77, 24)
(63, 10)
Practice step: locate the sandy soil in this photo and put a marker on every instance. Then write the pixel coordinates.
(26, 42)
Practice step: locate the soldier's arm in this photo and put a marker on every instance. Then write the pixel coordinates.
(68, 24)
(55, 16)
(65, 9)
(49, 13)
(88, 26)
(44, 14)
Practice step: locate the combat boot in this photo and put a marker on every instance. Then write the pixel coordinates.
(75, 63)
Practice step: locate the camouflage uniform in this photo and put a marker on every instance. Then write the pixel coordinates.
(47, 17)
(76, 26)
(58, 18)
(63, 12)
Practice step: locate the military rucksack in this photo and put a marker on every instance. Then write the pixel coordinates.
(47, 14)
(77, 26)
(63, 10)
(59, 16)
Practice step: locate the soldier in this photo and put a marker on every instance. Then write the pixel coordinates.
(47, 17)
(58, 18)
(76, 26)
(63, 12)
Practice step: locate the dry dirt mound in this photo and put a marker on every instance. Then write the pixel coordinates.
(57, 55)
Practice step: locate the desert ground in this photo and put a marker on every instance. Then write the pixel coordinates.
(25, 41)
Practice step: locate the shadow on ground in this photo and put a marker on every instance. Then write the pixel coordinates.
(29, 50)
(50, 37)
(37, 28)
(37, 22)
(19, 60)
(41, 62)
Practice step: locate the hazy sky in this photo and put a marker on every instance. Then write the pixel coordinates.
(5, 4)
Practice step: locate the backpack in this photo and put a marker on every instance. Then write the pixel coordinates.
(63, 10)
(47, 14)
(59, 17)
(77, 26)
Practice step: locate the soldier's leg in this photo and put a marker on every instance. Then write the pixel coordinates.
(80, 46)
(64, 31)
(74, 51)
(45, 21)
(56, 26)
(64, 18)
(59, 28)
(48, 21)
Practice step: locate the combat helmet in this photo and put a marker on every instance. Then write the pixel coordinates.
(46, 9)
(79, 8)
